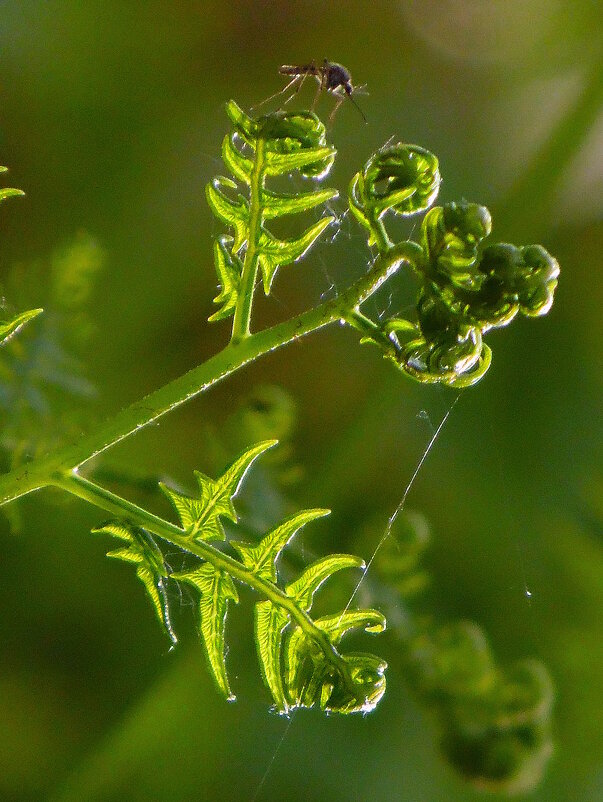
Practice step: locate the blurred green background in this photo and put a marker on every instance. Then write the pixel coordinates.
(111, 121)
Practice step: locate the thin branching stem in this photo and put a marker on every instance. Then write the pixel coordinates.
(34, 475)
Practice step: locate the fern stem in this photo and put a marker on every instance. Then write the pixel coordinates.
(89, 491)
(242, 315)
(369, 329)
(42, 472)
(380, 235)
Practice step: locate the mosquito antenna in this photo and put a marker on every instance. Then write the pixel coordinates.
(362, 114)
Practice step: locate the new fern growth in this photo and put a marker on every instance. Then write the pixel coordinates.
(314, 671)
(463, 291)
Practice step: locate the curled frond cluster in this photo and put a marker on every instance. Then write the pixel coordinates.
(299, 656)
(464, 290)
(495, 723)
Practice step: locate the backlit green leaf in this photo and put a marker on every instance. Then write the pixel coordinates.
(233, 213)
(12, 326)
(228, 267)
(244, 124)
(238, 164)
(216, 589)
(336, 626)
(278, 204)
(142, 551)
(200, 517)
(274, 253)
(270, 623)
(283, 163)
(261, 558)
(304, 588)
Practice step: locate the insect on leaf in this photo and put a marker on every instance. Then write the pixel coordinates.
(200, 517)
(216, 589)
(142, 551)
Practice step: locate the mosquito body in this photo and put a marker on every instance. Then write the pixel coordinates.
(331, 77)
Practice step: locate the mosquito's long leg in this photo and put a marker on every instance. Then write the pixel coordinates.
(301, 79)
(337, 105)
(317, 95)
(296, 78)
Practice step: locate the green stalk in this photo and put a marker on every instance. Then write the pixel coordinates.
(242, 315)
(369, 329)
(123, 509)
(40, 473)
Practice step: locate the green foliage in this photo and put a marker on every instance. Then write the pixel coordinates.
(314, 671)
(277, 145)
(495, 723)
(463, 291)
(215, 588)
(8, 192)
(142, 551)
(45, 394)
(13, 324)
(201, 517)
(10, 324)
(500, 719)
(402, 179)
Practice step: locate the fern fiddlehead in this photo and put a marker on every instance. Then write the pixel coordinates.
(464, 291)
(494, 721)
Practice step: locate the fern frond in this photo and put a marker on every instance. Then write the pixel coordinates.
(216, 589)
(314, 671)
(142, 551)
(276, 145)
(464, 290)
(200, 517)
(13, 324)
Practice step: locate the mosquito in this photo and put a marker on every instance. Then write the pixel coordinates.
(331, 77)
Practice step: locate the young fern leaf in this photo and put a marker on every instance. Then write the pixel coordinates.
(228, 267)
(8, 192)
(275, 145)
(315, 672)
(307, 672)
(11, 325)
(271, 621)
(201, 517)
(143, 552)
(216, 589)
(261, 559)
(351, 683)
